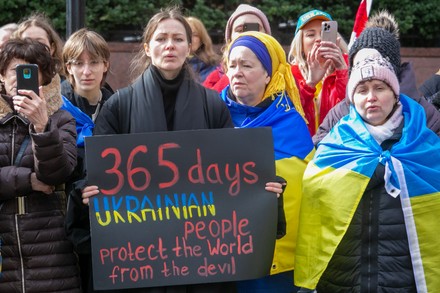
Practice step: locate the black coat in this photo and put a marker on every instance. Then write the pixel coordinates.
(139, 108)
(373, 256)
(37, 257)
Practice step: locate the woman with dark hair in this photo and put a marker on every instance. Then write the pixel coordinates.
(163, 97)
(37, 154)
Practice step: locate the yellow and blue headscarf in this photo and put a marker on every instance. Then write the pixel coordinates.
(273, 57)
(292, 142)
(335, 181)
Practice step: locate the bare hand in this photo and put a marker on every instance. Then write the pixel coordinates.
(88, 192)
(33, 107)
(317, 67)
(330, 51)
(37, 185)
(275, 187)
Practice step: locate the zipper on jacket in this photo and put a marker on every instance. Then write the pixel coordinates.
(20, 199)
(370, 216)
(20, 254)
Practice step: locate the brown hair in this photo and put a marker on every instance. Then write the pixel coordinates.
(42, 21)
(206, 51)
(141, 61)
(81, 41)
(32, 52)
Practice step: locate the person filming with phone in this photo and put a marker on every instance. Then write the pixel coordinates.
(319, 65)
(37, 154)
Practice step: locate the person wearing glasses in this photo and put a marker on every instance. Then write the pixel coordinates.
(86, 63)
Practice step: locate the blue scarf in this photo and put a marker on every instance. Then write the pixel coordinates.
(84, 124)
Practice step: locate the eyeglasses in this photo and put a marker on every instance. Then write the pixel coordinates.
(80, 65)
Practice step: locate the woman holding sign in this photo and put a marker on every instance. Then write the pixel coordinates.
(262, 93)
(164, 97)
(37, 154)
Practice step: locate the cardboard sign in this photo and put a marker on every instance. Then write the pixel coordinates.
(181, 207)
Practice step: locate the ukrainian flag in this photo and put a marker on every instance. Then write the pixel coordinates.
(335, 180)
(293, 150)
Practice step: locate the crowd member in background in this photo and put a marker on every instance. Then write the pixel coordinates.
(371, 194)
(262, 93)
(163, 97)
(319, 68)
(430, 89)
(38, 27)
(38, 153)
(5, 34)
(244, 18)
(203, 59)
(385, 42)
(86, 58)
(6, 31)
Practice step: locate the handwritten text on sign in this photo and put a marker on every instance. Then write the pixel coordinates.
(181, 207)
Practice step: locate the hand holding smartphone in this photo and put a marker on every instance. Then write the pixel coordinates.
(329, 31)
(27, 77)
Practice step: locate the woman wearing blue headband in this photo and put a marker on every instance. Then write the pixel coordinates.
(262, 93)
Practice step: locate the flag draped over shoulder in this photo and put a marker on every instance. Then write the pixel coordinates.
(84, 124)
(293, 150)
(361, 19)
(335, 181)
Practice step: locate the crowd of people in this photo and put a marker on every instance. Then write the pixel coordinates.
(356, 145)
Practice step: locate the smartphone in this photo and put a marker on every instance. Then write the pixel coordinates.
(329, 31)
(251, 26)
(27, 77)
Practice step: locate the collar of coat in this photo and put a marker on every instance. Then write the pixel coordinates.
(52, 93)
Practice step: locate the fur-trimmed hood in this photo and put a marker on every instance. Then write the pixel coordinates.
(52, 93)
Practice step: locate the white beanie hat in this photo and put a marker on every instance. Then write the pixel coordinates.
(369, 68)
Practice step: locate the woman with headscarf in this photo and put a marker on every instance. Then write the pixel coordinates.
(371, 195)
(262, 93)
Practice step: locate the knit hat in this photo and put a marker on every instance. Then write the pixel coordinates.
(372, 67)
(381, 40)
(246, 9)
(309, 16)
(281, 78)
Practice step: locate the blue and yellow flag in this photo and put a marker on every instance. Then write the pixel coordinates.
(293, 150)
(335, 181)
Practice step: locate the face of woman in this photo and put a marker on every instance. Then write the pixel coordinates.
(311, 34)
(168, 47)
(195, 40)
(38, 34)
(87, 73)
(247, 76)
(374, 100)
(238, 25)
(10, 77)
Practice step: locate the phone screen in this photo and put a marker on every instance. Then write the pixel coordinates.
(27, 77)
(251, 26)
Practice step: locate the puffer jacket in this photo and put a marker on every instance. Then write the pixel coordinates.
(36, 255)
(373, 256)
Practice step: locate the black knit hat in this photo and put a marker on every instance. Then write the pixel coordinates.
(381, 40)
